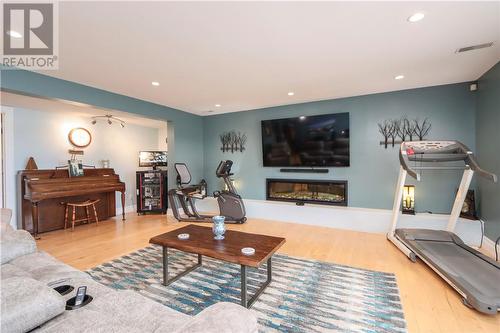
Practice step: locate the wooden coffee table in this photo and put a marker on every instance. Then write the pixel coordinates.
(202, 243)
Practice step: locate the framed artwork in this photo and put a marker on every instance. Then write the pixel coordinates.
(469, 207)
(75, 168)
(152, 158)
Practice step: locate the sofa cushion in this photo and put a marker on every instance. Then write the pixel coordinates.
(27, 303)
(85, 320)
(221, 318)
(5, 216)
(118, 311)
(142, 312)
(9, 270)
(16, 243)
(45, 268)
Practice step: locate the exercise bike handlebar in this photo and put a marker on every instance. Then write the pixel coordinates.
(224, 169)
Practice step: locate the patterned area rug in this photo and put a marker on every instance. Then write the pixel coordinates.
(304, 296)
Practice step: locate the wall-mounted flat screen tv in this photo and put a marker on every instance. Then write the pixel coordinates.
(152, 158)
(306, 141)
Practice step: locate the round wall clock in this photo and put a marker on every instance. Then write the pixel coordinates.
(80, 137)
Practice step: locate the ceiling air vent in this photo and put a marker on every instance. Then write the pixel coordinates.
(474, 47)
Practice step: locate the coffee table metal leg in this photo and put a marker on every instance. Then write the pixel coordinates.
(244, 286)
(165, 265)
(166, 280)
(244, 295)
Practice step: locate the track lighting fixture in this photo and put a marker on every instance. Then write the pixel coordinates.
(110, 119)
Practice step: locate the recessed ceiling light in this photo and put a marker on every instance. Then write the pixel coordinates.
(416, 17)
(399, 77)
(14, 34)
(217, 105)
(302, 117)
(291, 93)
(155, 83)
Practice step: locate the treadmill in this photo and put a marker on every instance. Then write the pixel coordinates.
(473, 275)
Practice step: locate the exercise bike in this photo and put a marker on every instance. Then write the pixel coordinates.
(230, 203)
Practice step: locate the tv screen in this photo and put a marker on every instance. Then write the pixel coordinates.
(152, 158)
(310, 141)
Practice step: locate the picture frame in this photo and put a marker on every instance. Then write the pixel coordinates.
(75, 168)
(152, 158)
(469, 207)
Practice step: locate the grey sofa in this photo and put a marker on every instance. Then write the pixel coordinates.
(29, 302)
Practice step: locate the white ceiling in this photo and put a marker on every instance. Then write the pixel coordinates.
(248, 55)
(51, 105)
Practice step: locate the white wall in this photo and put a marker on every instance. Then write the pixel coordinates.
(10, 172)
(44, 136)
(162, 135)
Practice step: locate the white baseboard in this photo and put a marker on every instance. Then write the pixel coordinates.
(348, 218)
(128, 209)
(353, 218)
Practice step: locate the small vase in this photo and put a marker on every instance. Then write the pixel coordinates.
(219, 228)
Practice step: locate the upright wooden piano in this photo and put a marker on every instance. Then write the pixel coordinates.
(43, 191)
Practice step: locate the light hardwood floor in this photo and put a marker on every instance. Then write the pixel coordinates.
(430, 305)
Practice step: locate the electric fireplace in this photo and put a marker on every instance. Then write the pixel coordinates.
(325, 192)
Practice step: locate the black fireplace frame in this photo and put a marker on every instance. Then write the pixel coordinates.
(317, 181)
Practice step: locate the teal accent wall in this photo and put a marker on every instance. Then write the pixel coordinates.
(373, 172)
(488, 148)
(185, 145)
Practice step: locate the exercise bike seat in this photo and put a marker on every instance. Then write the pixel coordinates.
(193, 191)
(197, 195)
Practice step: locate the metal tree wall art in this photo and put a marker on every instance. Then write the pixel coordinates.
(241, 140)
(422, 129)
(404, 130)
(232, 141)
(385, 129)
(225, 139)
(409, 127)
(393, 134)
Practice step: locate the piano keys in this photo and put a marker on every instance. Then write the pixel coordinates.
(43, 191)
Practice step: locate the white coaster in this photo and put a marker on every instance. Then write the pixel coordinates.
(248, 251)
(183, 236)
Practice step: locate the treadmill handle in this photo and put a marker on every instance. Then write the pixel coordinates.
(487, 175)
(483, 173)
(469, 161)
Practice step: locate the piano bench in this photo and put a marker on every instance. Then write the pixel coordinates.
(74, 205)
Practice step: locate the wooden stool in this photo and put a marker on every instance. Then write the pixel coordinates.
(74, 205)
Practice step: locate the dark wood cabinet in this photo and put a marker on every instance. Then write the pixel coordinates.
(151, 190)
